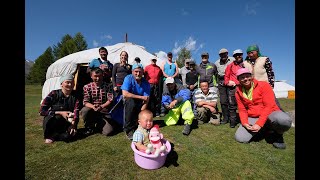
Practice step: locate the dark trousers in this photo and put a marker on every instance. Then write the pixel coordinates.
(56, 127)
(224, 101)
(155, 99)
(232, 104)
(99, 121)
(132, 108)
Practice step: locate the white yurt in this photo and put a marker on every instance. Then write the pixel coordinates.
(77, 63)
(283, 89)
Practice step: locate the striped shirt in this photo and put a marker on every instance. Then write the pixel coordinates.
(212, 96)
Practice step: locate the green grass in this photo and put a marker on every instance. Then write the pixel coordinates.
(209, 152)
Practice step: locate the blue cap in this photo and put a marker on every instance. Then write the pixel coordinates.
(136, 65)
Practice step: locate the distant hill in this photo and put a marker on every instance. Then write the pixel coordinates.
(27, 66)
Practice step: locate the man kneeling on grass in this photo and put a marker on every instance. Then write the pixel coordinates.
(258, 111)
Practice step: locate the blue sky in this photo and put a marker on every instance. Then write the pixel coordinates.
(169, 25)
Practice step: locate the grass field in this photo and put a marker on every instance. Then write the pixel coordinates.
(209, 152)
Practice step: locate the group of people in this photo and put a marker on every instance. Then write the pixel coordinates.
(193, 92)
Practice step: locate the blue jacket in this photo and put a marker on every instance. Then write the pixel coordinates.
(181, 94)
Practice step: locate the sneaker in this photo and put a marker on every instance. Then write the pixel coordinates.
(279, 142)
(162, 114)
(213, 121)
(130, 135)
(48, 141)
(157, 115)
(186, 130)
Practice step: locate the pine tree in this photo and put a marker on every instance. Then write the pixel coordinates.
(182, 56)
(38, 70)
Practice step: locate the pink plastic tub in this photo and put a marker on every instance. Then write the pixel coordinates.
(149, 161)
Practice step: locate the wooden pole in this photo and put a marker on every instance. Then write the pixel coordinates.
(126, 40)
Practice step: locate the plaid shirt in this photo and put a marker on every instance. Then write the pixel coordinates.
(95, 94)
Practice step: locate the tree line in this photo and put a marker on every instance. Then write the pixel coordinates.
(66, 46)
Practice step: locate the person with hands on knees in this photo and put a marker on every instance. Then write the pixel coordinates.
(60, 109)
(136, 93)
(258, 111)
(97, 101)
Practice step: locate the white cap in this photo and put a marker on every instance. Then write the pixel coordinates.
(169, 80)
(237, 51)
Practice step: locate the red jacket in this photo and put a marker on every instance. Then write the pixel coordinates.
(152, 73)
(262, 105)
(230, 73)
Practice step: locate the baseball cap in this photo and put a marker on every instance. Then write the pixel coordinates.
(169, 80)
(223, 50)
(191, 62)
(242, 71)
(205, 54)
(137, 59)
(187, 60)
(136, 65)
(237, 51)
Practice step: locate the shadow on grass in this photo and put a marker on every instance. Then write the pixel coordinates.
(172, 157)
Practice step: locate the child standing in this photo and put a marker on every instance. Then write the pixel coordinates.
(140, 136)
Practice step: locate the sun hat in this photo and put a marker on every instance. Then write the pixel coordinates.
(237, 51)
(66, 77)
(169, 80)
(223, 50)
(242, 71)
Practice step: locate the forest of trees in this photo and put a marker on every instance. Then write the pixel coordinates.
(66, 46)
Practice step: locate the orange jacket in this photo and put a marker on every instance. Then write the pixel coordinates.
(262, 105)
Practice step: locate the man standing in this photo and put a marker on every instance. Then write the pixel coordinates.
(207, 70)
(102, 63)
(184, 70)
(136, 93)
(175, 99)
(221, 64)
(153, 73)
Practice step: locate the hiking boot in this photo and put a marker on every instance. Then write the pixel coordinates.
(48, 141)
(214, 121)
(279, 142)
(224, 121)
(157, 114)
(186, 130)
(233, 123)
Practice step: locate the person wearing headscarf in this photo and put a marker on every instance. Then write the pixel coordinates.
(60, 109)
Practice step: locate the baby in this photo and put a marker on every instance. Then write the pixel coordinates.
(141, 135)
